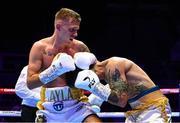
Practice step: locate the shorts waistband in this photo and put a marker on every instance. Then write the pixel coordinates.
(62, 94)
(58, 94)
(155, 88)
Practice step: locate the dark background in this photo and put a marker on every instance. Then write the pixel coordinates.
(145, 31)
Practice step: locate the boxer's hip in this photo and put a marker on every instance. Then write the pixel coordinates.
(60, 94)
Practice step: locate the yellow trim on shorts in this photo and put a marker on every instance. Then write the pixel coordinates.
(76, 94)
(159, 103)
(42, 98)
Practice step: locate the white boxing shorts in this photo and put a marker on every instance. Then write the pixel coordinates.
(153, 111)
(151, 115)
(60, 106)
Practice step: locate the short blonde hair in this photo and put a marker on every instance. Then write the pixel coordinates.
(66, 14)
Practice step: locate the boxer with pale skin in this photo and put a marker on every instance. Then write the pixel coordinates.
(128, 83)
(50, 60)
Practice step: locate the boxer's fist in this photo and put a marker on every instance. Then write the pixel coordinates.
(61, 64)
(83, 60)
(88, 80)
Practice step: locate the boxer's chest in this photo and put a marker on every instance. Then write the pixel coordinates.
(49, 54)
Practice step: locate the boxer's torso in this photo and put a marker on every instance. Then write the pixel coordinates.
(49, 53)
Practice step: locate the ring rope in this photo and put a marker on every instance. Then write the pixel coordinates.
(101, 114)
(164, 90)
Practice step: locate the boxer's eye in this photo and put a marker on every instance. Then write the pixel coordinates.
(73, 30)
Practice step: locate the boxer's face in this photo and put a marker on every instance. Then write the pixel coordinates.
(73, 31)
(69, 29)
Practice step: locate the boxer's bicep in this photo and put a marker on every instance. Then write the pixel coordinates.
(34, 65)
(119, 87)
(35, 59)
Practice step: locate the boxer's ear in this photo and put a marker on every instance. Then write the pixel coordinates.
(58, 27)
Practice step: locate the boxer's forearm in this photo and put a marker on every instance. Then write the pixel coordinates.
(33, 81)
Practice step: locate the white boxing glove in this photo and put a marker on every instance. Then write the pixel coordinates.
(61, 64)
(95, 108)
(96, 101)
(84, 59)
(89, 81)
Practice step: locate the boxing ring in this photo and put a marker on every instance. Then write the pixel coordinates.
(101, 114)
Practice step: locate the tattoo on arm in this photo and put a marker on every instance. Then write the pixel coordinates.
(120, 87)
(116, 75)
(115, 81)
(113, 98)
(117, 85)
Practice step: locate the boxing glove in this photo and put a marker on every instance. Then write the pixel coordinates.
(96, 101)
(88, 80)
(95, 108)
(61, 64)
(83, 60)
